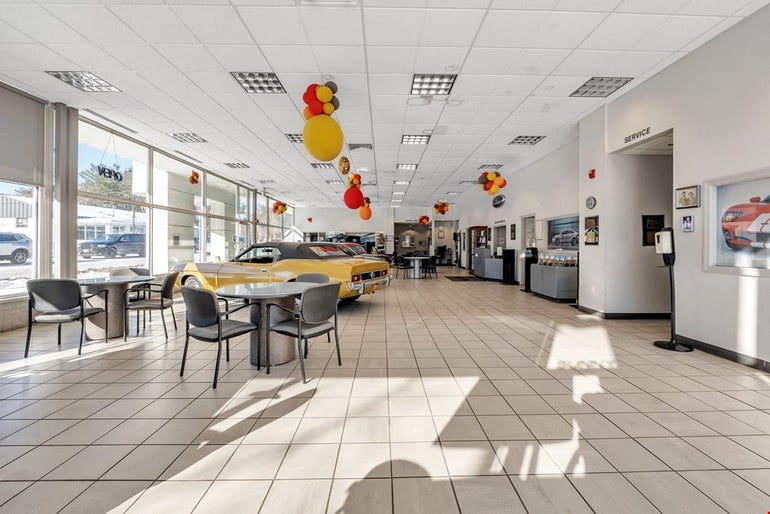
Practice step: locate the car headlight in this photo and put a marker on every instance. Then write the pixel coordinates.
(731, 216)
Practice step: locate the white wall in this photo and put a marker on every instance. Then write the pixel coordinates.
(546, 189)
(717, 100)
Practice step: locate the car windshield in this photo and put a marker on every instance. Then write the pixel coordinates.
(358, 250)
(107, 237)
(327, 251)
(766, 199)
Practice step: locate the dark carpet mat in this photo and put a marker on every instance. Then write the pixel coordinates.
(465, 279)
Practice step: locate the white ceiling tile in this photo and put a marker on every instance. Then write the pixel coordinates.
(137, 57)
(709, 34)
(475, 85)
(88, 56)
(274, 25)
(538, 104)
(516, 85)
(509, 28)
(381, 84)
(439, 60)
(751, 7)
(676, 32)
(456, 27)
(380, 23)
(154, 23)
(95, 22)
(589, 63)
(340, 59)
(351, 84)
(650, 6)
(214, 25)
(289, 58)
(391, 59)
(332, 25)
(489, 61)
(189, 57)
(239, 57)
(295, 84)
(556, 86)
(396, 103)
(37, 23)
(621, 31)
(506, 103)
(712, 7)
(564, 29)
(9, 34)
(525, 5)
(605, 6)
(34, 56)
(536, 61)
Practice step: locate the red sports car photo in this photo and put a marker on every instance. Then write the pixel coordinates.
(747, 225)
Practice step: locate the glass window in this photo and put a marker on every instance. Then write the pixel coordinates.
(244, 201)
(176, 239)
(221, 196)
(18, 231)
(276, 234)
(171, 185)
(244, 236)
(222, 243)
(288, 217)
(109, 165)
(261, 234)
(261, 209)
(110, 235)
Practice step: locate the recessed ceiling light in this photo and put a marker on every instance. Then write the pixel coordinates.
(267, 181)
(526, 140)
(432, 84)
(84, 81)
(294, 138)
(401, 183)
(398, 193)
(452, 193)
(601, 87)
(406, 166)
(322, 165)
(235, 165)
(490, 166)
(415, 139)
(335, 182)
(258, 82)
(462, 182)
(188, 137)
(396, 200)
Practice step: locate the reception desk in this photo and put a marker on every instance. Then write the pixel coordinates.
(557, 283)
(489, 268)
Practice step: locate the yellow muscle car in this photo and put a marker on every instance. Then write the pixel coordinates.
(283, 261)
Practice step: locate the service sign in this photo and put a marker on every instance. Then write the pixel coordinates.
(639, 134)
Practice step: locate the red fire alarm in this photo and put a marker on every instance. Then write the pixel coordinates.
(592, 173)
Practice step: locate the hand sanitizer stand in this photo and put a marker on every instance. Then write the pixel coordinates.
(664, 245)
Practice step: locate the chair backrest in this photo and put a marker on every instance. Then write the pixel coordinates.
(54, 294)
(433, 260)
(441, 251)
(142, 272)
(202, 306)
(318, 278)
(319, 303)
(167, 287)
(400, 260)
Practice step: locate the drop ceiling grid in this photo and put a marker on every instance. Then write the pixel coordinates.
(550, 52)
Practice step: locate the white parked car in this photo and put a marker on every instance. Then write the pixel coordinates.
(14, 247)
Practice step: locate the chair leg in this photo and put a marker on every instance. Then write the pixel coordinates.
(29, 336)
(59, 331)
(216, 367)
(337, 341)
(106, 323)
(82, 334)
(137, 323)
(306, 348)
(227, 348)
(184, 352)
(163, 318)
(259, 349)
(125, 323)
(267, 351)
(301, 359)
(173, 316)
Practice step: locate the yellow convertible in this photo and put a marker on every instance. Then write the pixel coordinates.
(283, 261)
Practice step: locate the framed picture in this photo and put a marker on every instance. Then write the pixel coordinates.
(563, 233)
(687, 224)
(538, 229)
(440, 233)
(592, 230)
(513, 231)
(651, 224)
(688, 197)
(740, 224)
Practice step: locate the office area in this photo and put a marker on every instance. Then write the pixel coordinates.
(487, 344)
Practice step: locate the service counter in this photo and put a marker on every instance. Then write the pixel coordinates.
(558, 283)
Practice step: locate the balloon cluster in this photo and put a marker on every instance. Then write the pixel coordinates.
(424, 220)
(441, 207)
(492, 182)
(322, 135)
(279, 207)
(365, 212)
(310, 220)
(344, 165)
(194, 178)
(353, 197)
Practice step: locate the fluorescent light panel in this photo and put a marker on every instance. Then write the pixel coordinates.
(432, 84)
(84, 81)
(401, 183)
(452, 193)
(600, 87)
(259, 82)
(335, 182)
(236, 165)
(406, 166)
(415, 139)
(490, 166)
(526, 140)
(188, 137)
(322, 165)
(294, 138)
(398, 193)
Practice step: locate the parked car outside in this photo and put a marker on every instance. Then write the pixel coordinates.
(113, 245)
(747, 225)
(14, 247)
(358, 250)
(283, 261)
(565, 238)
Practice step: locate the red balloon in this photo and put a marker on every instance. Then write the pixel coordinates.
(308, 97)
(488, 185)
(315, 107)
(311, 88)
(353, 198)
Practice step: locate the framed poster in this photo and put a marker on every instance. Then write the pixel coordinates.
(592, 230)
(651, 224)
(563, 233)
(538, 229)
(741, 230)
(688, 197)
(688, 224)
(513, 231)
(440, 233)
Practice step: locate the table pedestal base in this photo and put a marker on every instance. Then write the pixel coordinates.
(95, 323)
(282, 348)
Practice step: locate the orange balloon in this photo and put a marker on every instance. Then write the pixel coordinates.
(306, 113)
(499, 181)
(365, 212)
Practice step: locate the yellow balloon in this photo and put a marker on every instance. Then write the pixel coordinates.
(328, 109)
(495, 188)
(323, 137)
(324, 94)
(491, 175)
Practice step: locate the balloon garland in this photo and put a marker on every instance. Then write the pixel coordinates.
(365, 212)
(441, 207)
(194, 178)
(279, 207)
(322, 135)
(492, 182)
(424, 220)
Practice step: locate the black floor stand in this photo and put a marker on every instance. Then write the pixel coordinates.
(672, 344)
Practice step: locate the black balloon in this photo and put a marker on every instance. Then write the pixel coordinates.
(335, 103)
(331, 85)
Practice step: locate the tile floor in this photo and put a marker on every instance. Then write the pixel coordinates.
(452, 397)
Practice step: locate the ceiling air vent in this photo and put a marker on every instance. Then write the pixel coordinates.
(526, 140)
(356, 146)
(600, 87)
(322, 165)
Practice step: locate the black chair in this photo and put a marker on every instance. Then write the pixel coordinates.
(164, 301)
(209, 324)
(428, 267)
(402, 264)
(61, 301)
(318, 306)
(441, 253)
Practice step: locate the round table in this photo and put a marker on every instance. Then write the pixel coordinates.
(416, 262)
(117, 287)
(259, 295)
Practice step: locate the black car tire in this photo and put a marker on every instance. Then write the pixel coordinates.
(19, 256)
(141, 252)
(110, 253)
(86, 256)
(192, 282)
(574, 241)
